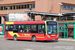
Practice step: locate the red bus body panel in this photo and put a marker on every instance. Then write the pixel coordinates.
(39, 36)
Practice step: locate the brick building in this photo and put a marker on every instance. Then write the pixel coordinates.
(65, 7)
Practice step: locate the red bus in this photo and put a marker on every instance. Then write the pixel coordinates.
(31, 30)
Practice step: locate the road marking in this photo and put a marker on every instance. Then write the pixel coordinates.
(28, 49)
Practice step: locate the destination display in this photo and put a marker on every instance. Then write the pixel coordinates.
(51, 22)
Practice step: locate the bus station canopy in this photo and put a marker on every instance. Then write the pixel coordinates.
(41, 13)
(71, 14)
(68, 12)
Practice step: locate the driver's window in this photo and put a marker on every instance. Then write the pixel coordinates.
(54, 28)
(49, 29)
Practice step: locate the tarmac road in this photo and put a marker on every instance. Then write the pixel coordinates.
(39, 45)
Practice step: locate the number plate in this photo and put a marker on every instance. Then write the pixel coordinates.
(52, 35)
(53, 39)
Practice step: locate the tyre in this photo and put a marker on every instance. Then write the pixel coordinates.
(15, 38)
(33, 39)
(55, 40)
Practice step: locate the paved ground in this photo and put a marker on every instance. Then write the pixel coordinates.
(67, 39)
(28, 45)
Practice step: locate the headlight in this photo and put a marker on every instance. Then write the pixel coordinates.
(57, 35)
(48, 36)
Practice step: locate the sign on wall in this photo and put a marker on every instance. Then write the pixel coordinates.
(18, 17)
(1, 29)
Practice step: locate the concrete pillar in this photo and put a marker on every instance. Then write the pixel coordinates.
(37, 17)
(2, 20)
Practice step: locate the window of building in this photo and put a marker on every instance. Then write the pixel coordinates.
(61, 6)
(64, 7)
(18, 7)
(74, 8)
(10, 7)
(68, 7)
(14, 7)
(1, 8)
(71, 7)
(22, 6)
(33, 5)
(63, 18)
(70, 18)
(27, 5)
(41, 28)
(30, 5)
(49, 18)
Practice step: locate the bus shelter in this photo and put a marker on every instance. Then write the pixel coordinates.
(63, 29)
(74, 29)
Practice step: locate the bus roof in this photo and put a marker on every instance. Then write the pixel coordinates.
(25, 22)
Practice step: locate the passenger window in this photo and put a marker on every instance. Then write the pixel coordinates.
(27, 29)
(7, 28)
(15, 28)
(10, 28)
(21, 28)
(41, 28)
(34, 29)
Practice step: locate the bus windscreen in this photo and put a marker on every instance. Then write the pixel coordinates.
(52, 27)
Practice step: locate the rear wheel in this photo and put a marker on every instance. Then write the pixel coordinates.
(15, 38)
(33, 39)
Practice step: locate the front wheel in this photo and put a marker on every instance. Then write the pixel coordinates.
(33, 39)
(15, 38)
(55, 41)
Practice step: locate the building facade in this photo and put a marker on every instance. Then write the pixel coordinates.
(46, 6)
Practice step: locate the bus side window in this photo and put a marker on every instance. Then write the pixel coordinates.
(21, 28)
(34, 29)
(10, 27)
(7, 27)
(15, 28)
(27, 29)
(41, 28)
